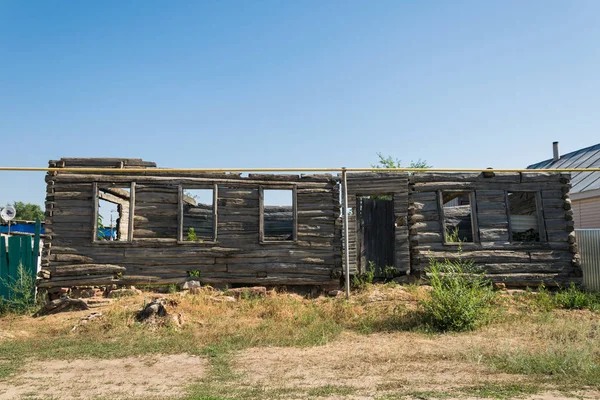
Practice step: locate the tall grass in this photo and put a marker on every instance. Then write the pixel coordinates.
(571, 298)
(21, 293)
(460, 299)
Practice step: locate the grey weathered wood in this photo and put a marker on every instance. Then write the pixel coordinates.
(87, 269)
(154, 254)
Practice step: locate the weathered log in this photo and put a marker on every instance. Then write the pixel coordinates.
(88, 269)
(512, 177)
(60, 305)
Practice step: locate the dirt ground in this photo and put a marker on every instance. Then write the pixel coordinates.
(398, 365)
(377, 365)
(132, 377)
(380, 365)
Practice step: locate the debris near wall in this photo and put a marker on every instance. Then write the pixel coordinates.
(155, 313)
(85, 320)
(60, 305)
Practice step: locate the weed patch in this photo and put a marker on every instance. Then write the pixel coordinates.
(21, 293)
(460, 299)
(500, 391)
(573, 298)
(567, 364)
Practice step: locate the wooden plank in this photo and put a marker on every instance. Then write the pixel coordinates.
(434, 177)
(559, 177)
(294, 213)
(466, 186)
(528, 268)
(175, 179)
(87, 269)
(493, 234)
(474, 218)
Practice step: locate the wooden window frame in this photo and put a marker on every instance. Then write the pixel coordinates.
(474, 223)
(215, 189)
(539, 214)
(261, 213)
(95, 200)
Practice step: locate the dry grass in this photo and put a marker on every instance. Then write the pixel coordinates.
(286, 346)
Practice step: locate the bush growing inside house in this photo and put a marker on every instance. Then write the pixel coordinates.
(460, 299)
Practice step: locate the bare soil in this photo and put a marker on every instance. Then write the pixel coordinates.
(133, 377)
(373, 366)
(395, 365)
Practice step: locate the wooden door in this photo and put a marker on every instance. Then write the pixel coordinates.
(377, 235)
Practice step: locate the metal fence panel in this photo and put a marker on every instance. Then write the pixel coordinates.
(588, 241)
(3, 268)
(14, 252)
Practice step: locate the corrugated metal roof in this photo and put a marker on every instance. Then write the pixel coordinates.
(588, 157)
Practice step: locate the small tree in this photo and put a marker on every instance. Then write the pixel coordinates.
(28, 211)
(389, 162)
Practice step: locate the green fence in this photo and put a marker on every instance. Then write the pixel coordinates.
(18, 250)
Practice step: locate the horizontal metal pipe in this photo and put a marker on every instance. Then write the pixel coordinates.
(219, 170)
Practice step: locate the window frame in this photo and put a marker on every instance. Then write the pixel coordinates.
(474, 223)
(95, 210)
(539, 215)
(215, 189)
(261, 213)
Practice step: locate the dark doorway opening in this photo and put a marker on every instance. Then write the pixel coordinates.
(376, 232)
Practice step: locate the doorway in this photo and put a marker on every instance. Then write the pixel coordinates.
(376, 234)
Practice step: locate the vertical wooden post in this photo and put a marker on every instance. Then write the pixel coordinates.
(180, 213)
(261, 214)
(346, 240)
(215, 211)
(295, 213)
(36, 251)
(131, 212)
(95, 212)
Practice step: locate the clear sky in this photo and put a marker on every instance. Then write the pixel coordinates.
(467, 84)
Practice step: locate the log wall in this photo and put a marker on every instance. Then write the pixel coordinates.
(236, 254)
(155, 255)
(552, 260)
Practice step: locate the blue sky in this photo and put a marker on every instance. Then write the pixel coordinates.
(466, 84)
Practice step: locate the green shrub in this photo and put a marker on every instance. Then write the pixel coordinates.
(452, 235)
(542, 300)
(192, 236)
(460, 298)
(575, 298)
(361, 281)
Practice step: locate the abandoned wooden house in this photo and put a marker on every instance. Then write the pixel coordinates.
(157, 227)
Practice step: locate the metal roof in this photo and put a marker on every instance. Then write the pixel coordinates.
(588, 157)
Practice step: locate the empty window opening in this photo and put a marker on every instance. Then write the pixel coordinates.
(113, 217)
(198, 215)
(278, 215)
(524, 225)
(458, 217)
